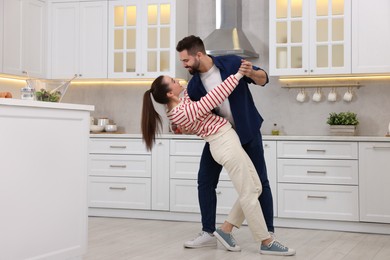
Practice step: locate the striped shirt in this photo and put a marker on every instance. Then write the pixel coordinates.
(196, 116)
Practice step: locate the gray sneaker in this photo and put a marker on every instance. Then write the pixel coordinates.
(227, 240)
(276, 248)
(203, 239)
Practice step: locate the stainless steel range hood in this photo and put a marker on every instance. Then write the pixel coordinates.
(228, 37)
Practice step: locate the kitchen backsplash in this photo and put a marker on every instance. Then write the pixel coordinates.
(123, 104)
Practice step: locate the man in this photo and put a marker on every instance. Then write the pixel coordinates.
(240, 110)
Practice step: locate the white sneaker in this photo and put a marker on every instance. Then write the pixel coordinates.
(203, 239)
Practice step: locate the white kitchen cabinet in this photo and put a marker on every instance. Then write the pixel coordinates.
(119, 193)
(160, 175)
(24, 37)
(184, 165)
(310, 37)
(78, 39)
(119, 174)
(270, 159)
(143, 37)
(184, 196)
(328, 202)
(374, 166)
(370, 36)
(318, 180)
(1, 34)
(44, 182)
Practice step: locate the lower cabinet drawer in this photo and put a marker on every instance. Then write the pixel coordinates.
(184, 196)
(117, 146)
(187, 167)
(123, 193)
(329, 202)
(343, 172)
(186, 147)
(120, 165)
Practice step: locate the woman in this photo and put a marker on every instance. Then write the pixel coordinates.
(225, 146)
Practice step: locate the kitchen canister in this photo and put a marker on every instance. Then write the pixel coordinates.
(27, 93)
(103, 121)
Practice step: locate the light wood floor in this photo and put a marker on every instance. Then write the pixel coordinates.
(123, 239)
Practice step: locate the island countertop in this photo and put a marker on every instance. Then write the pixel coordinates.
(42, 104)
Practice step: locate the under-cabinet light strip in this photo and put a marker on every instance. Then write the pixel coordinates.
(335, 78)
(335, 85)
(94, 82)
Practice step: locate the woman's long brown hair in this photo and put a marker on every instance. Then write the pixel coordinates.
(151, 122)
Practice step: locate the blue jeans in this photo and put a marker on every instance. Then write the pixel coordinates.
(208, 177)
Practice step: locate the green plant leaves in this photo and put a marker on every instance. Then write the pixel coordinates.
(342, 118)
(44, 95)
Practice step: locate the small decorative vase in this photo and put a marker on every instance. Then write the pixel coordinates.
(343, 130)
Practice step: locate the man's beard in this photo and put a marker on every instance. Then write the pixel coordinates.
(194, 68)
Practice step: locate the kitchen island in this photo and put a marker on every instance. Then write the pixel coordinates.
(43, 190)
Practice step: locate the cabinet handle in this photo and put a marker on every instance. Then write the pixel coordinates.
(316, 150)
(117, 166)
(322, 172)
(118, 146)
(380, 147)
(218, 192)
(117, 188)
(305, 70)
(316, 197)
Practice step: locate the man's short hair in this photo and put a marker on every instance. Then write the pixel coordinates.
(193, 44)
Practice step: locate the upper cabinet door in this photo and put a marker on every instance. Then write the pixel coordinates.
(12, 46)
(24, 37)
(330, 37)
(65, 31)
(142, 38)
(289, 37)
(1, 34)
(78, 39)
(310, 37)
(124, 34)
(370, 36)
(34, 38)
(93, 39)
(159, 38)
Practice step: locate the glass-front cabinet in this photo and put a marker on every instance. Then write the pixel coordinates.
(310, 37)
(142, 38)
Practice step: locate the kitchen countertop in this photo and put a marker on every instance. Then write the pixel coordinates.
(41, 104)
(265, 137)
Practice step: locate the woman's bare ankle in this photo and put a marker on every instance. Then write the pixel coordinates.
(267, 241)
(226, 227)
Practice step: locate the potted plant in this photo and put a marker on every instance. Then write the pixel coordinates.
(343, 123)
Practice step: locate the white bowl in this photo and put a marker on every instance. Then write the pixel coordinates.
(110, 128)
(96, 128)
